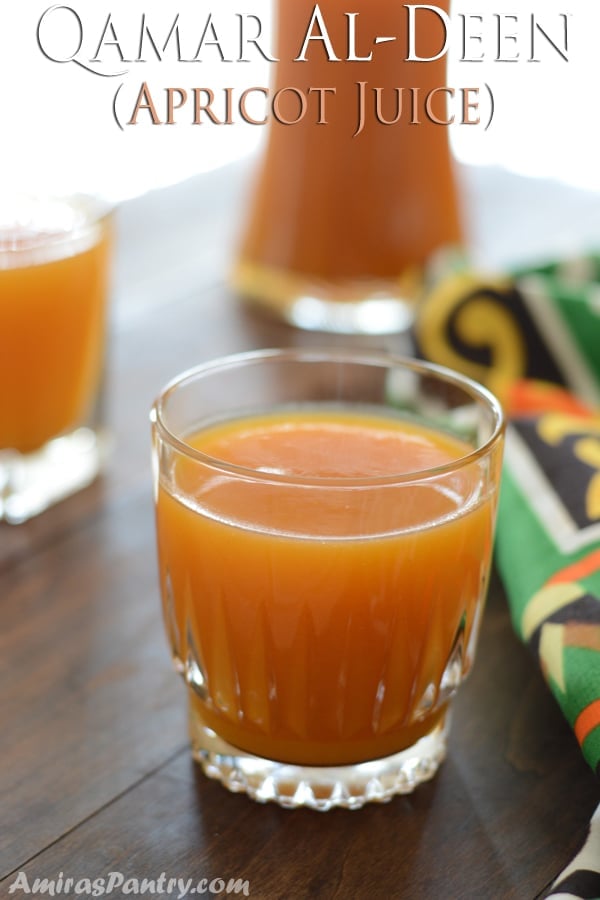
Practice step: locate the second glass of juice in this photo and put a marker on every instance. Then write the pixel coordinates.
(325, 523)
(54, 283)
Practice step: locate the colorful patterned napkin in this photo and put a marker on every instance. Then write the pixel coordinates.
(534, 339)
(548, 552)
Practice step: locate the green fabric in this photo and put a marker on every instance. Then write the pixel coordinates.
(552, 587)
(525, 555)
(543, 337)
(573, 288)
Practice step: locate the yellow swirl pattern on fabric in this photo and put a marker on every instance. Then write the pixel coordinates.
(551, 654)
(547, 601)
(588, 451)
(555, 427)
(464, 305)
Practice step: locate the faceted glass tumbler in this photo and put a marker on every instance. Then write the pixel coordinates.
(54, 284)
(325, 524)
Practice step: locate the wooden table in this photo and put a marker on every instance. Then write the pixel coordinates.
(96, 775)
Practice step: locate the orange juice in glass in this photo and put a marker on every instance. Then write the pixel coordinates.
(325, 525)
(54, 271)
(354, 199)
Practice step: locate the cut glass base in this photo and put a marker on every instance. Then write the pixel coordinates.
(30, 483)
(291, 786)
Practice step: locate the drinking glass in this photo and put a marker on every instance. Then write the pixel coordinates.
(54, 282)
(325, 523)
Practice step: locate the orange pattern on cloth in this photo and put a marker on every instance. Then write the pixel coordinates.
(580, 569)
(526, 397)
(587, 720)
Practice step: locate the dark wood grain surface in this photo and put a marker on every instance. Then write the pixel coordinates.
(95, 773)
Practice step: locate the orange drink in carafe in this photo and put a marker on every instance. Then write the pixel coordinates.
(353, 200)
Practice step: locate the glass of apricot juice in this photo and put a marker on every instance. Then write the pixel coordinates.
(325, 522)
(54, 271)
